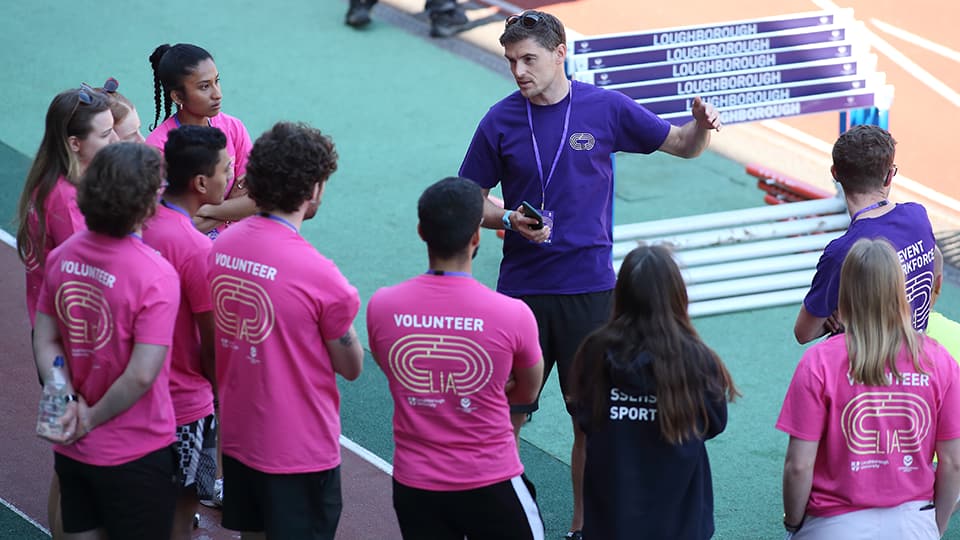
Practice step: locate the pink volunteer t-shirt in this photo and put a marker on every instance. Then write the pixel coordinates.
(238, 140)
(172, 234)
(106, 295)
(876, 442)
(62, 219)
(276, 301)
(447, 345)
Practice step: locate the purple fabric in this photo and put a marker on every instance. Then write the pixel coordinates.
(908, 229)
(580, 192)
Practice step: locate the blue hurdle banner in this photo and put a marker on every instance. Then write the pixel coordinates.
(713, 49)
(709, 32)
(758, 96)
(726, 64)
(758, 78)
(751, 70)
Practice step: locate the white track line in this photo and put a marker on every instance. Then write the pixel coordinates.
(366, 455)
(18, 512)
(903, 61)
(919, 41)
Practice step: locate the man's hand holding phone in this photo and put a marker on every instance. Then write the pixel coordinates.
(529, 223)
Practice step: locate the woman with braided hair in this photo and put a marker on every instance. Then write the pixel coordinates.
(185, 74)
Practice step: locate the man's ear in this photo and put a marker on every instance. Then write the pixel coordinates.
(199, 183)
(833, 172)
(420, 233)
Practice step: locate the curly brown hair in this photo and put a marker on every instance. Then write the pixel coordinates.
(286, 163)
(119, 190)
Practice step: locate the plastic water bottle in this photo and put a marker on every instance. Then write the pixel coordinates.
(53, 402)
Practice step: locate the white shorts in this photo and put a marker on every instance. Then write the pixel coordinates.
(904, 522)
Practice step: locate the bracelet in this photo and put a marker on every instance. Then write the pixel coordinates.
(69, 397)
(506, 220)
(792, 529)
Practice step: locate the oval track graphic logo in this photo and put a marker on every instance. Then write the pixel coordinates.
(82, 308)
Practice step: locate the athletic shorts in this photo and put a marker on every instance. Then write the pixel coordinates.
(915, 520)
(133, 500)
(197, 456)
(503, 511)
(564, 320)
(302, 506)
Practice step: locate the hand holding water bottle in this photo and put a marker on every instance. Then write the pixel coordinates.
(57, 418)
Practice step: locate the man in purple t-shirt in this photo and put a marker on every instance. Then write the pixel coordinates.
(863, 164)
(564, 270)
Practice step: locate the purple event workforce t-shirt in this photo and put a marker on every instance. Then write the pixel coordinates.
(908, 230)
(579, 192)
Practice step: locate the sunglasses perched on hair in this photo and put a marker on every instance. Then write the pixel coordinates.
(84, 95)
(111, 85)
(527, 19)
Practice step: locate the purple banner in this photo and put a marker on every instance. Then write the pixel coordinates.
(755, 96)
(691, 53)
(675, 36)
(728, 83)
(717, 65)
(784, 109)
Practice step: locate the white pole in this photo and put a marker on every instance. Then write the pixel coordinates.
(750, 285)
(752, 233)
(755, 267)
(743, 303)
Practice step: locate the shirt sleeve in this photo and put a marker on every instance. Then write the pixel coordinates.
(638, 130)
(824, 293)
(528, 352)
(482, 164)
(63, 216)
(194, 280)
(154, 321)
(242, 147)
(339, 305)
(948, 422)
(804, 414)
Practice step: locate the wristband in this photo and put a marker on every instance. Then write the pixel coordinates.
(792, 529)
(506, 220)
(69, 397)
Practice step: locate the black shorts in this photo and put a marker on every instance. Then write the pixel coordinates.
(298, 506)
(133, 500)
(503, 511)
(564, 320)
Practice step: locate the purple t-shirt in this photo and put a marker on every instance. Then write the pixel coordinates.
(580, 191)
(908, 229)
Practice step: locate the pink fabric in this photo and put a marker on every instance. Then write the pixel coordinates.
(448, 345)
(187, 249)
(876, 443)
(276, 301)
(106, 295)
(62, 219)
(238, 140)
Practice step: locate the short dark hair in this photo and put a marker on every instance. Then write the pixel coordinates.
(450, 212)
(862, 157)
(548, 31)
(189, 151)
(286, 163)
(118, 191)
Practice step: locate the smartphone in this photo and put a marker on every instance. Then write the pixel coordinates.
(531, 212)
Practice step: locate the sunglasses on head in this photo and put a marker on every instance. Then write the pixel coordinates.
(84, 95)
(527, 19)
(111, 85)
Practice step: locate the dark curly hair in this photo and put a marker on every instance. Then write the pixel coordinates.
(285, 164)
(119, 190)
(862, 157)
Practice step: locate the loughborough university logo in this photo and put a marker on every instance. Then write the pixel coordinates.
(430, 364)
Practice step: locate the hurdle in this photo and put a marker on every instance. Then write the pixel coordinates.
(743, 259)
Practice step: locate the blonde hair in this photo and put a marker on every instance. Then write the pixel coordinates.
(874, 308)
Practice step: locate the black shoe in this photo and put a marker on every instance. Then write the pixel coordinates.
(574, 535)
(446, 23)
(358, 15)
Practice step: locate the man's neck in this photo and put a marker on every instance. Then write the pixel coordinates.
(294, 218)
(858, 201)
(555, 93)
(189, 203)
(461, 263)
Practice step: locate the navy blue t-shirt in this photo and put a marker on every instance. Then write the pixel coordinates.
(580, 192)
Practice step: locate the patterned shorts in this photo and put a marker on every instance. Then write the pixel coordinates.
(197, 452)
